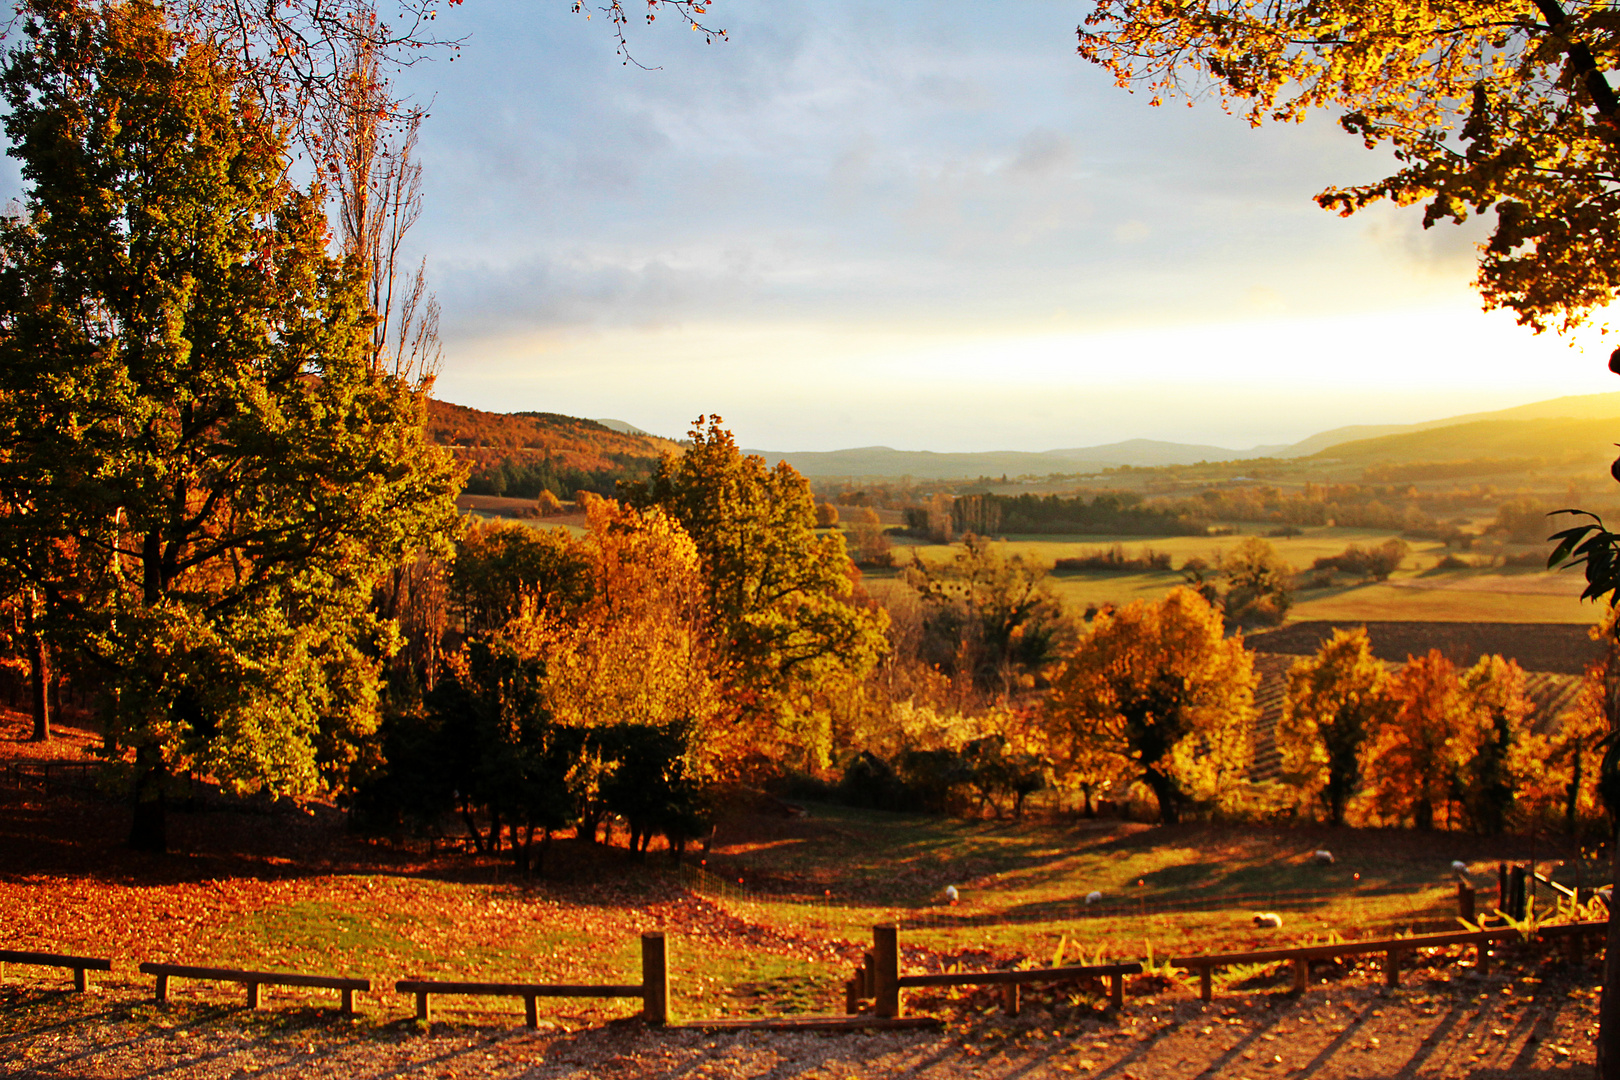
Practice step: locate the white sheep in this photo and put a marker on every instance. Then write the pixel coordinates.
(1323, 857)
(1093, 897)
(1458, 866)
(1267, 920)
(951, 894)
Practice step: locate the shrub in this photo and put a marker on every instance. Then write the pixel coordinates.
(1374, 563)
(1114, 558)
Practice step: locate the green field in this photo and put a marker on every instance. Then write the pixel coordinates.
(1416, 592)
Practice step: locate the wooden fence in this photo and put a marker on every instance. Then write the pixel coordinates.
(653, 989)
(879, 979)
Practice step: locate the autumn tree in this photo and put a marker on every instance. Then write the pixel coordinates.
(788, 631)
(502, 571)
(1335, 700)
(1418, 754)
(1158, 687)
(202, 472)
(870, 542)
(1574, 755)
(1260, 585)
(1501, 106)
(992, 618)
(1507, 756)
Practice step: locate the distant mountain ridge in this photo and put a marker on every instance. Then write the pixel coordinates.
(551, 448)
(1525, 430)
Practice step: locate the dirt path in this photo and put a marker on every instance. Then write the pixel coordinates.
(1464, 1026)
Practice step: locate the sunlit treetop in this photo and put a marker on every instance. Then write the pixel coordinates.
(1498, 106)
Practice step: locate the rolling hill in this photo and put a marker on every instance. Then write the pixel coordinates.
(520, 453)
(1561, 430)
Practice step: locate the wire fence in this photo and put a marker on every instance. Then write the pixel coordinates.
(1372, 906)
(48, 776)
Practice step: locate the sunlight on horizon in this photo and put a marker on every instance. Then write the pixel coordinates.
(1238, 383)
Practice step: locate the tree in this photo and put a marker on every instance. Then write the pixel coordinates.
(1507, 756)
(788, 632)
(1502, 106)
(1574, 754)
(198, 467)
(1335, 700)
(992, 618)
(1260, 586)
(502, 572)
(1160, 688)
(870, 541)
(1418, 754)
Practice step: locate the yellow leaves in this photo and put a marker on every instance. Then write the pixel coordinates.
(1159, 685)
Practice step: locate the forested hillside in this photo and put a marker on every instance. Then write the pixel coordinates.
(522, 454)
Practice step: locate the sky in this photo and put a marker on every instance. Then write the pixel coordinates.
(928, 226)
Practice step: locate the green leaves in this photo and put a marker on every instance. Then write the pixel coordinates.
(198, 466)
(1592, 546)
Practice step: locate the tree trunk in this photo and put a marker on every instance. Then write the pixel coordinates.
(148, 828)
(39, 668)
(1608, 1040)
(472, 826)
(1425, 815)
(1164, 789)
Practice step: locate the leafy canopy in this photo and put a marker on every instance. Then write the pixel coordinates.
(1335, 701)
(198, 467)
(789, 632)
(1159, 688)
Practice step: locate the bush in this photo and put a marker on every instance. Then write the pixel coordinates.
(1373, 563)
(1453, 562)
(871, 782)
(1114, 558)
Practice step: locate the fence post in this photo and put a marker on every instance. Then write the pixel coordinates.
(1465, 901)
(1302, 975)
(1501, 887)
(1517, 893)
(886, 951)
(422, 1014)
(654, 979)
(1011, 998)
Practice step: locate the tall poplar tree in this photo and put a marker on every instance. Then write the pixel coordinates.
(199, 467)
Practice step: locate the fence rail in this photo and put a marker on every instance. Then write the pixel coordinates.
(878, 979)
(253, 980)
(653, 989)
(1302, 955)
(81, 965)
